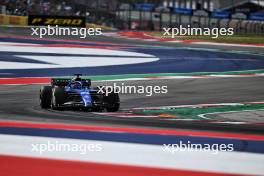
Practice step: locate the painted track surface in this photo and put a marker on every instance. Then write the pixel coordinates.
(125, 151)
(180, 58)
(171, 60)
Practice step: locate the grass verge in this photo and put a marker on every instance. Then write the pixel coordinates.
(240, 39)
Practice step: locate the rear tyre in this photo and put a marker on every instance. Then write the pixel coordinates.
(57, 98)
(113, 102)
(45, 97)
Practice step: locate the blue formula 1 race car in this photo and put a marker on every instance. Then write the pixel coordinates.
(77, 93)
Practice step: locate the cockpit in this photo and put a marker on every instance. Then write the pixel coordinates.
(79, 85)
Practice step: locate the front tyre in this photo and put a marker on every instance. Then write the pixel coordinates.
(112, 102)
(45, 96)
(57, 98)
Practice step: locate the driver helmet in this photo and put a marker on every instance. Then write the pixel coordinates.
(76, 85)
(77, 77)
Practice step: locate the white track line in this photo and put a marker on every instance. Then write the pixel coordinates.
(226, 112)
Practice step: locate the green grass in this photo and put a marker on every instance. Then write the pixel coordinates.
(241, 39)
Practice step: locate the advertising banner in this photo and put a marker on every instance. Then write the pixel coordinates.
(40, 20)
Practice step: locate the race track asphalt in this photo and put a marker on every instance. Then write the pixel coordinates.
(21, 102)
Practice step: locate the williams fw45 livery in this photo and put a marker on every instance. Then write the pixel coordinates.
(77, 93)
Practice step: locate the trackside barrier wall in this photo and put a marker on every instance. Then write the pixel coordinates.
(23, 21)
(13, 20)
(146, 20)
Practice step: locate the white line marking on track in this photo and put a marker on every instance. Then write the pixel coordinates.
(122, 57)
(226, 112)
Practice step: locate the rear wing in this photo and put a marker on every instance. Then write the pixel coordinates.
(62, 82)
